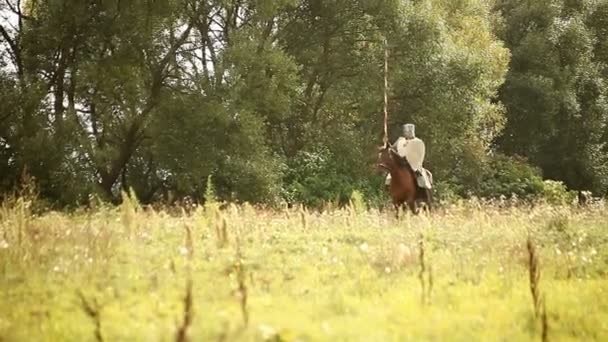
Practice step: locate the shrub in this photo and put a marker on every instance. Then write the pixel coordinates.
(357, 202)
(508, 176)
(555, 192)
(445, 191)
(314, 178)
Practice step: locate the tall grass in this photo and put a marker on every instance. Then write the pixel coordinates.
(342, 274)
(93, 311)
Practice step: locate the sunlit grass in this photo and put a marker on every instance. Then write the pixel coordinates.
(349, 274)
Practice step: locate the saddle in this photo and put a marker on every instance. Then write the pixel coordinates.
(424, 180)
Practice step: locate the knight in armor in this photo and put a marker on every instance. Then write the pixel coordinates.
(412, 149)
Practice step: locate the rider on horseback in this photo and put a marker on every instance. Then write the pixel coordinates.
(412, 149)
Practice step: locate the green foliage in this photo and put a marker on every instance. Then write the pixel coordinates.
(506, 176)
(313, 178)
(210, 194)
(556, 90)
(357, 202)
(355, 277)
(446, 192)
(281, 100)
(555, 192)
(129, 208)
(446, 81)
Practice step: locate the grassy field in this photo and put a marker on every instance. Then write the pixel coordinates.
(241, 274)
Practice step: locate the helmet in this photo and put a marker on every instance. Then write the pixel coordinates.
(409, 131)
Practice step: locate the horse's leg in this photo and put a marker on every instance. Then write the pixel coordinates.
(400, 208)
(429, 200)
(396, 206)
(412, 206)
(426, 199)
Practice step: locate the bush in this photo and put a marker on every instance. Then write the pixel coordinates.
(555, 192)
(508, 176)
(315, 178)
(357, 202)
(446, 191)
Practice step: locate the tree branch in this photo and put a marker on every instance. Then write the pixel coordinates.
(14, 49)
(17, 10)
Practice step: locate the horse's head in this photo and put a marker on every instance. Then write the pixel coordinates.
(386, 160)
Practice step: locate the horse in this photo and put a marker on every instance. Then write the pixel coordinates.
(404, 189)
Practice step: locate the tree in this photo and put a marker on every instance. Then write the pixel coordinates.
(284, 98)
(447, 67)
(555, 92)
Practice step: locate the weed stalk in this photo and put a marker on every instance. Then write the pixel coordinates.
(182, 330)
(422, 267)
(534, 276)
(92, 310)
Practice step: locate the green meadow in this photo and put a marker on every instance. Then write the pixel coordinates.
(241, 273)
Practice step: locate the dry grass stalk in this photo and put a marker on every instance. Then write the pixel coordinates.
(303, 218)
(241, 277)
(242, 291)
(92, 310)
(540, 308)
(221, 230)
(430, 275)
(189, 243)
(22, 218)
(544, 324)
(223, 336)
(182, 331)
(422, 267)
(534, 272)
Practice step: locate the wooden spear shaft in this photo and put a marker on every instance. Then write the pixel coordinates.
(385, 92)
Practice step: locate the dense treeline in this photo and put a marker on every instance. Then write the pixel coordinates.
(282, 99)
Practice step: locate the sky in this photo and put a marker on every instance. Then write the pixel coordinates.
(7, 19)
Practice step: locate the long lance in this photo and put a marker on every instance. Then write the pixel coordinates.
(385, 140)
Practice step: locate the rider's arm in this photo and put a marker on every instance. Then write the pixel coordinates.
(423, 149)
(394, 145)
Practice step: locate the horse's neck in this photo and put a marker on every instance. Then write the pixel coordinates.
(398, 163)
(397, 169)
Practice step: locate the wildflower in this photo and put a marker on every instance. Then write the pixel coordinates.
(404, 250)
(267, 332)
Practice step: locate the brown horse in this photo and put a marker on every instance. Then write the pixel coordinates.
(404, 189)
